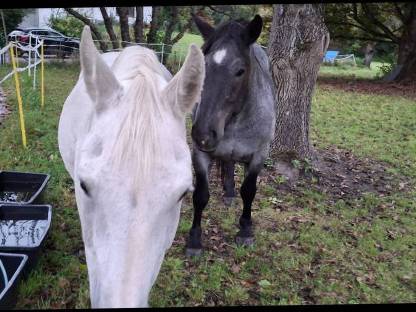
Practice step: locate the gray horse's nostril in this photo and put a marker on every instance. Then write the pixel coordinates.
(214, 134)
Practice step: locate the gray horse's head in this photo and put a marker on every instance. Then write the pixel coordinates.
(227, 66)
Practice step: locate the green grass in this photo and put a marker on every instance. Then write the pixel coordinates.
(182, 45)
(342, 252)
(370, 125)
(347, 71)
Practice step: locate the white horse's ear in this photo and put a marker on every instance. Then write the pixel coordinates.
(184, 89)
(102, 85)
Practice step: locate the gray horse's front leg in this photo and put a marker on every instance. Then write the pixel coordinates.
(228, 182)
(200, 161)
(245, 236)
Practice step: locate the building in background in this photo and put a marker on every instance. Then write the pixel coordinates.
(40, 17)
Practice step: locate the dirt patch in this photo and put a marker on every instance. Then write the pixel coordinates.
(368, 86)
(342, 175)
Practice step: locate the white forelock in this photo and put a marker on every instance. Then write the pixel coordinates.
(137, 142)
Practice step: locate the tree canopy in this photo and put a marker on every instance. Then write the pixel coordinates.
(12, 18)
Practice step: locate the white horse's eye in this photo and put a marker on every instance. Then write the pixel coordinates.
(84, 188)
(183, 195)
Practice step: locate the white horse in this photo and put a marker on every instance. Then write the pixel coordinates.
(122, 138)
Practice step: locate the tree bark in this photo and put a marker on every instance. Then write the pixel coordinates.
(154, 25)
(138, 25)
(173, 20)
(122, 12)
(109, 27)
(187, 27)
(297, 44)
(407, 49)
(369, 53)
(167, 39)
(95, 33)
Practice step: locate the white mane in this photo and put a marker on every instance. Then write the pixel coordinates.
(137, 142)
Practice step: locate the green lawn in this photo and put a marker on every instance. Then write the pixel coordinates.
(186, 40)
(347, 71)
(312, 251)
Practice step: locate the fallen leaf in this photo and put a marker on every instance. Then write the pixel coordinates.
(215, 238)
(264, 283)
(297, 219)
(63, 282)
(235, 268)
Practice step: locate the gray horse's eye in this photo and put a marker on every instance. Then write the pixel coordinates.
(240, 72)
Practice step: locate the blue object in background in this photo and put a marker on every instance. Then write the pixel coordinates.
(330, 56)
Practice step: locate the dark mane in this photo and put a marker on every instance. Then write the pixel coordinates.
(231, 29)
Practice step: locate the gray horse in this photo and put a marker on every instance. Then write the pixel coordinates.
(235, 119)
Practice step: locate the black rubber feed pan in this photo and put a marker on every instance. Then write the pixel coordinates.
(23, 230)
(22, 187)
(11, 268)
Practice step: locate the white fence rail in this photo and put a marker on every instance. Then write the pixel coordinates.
(343, 58)
(34, 57)
(29, 53)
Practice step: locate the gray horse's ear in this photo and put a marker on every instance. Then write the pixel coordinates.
(184, 89)
(253, 29)
(204, 28)
(102, 85)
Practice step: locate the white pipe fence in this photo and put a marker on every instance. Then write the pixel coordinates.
(30, 53)
(343, 57)
(60, 51)
(5, 57)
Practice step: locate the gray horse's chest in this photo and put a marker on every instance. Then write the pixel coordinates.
(230, 149)
(241, 141)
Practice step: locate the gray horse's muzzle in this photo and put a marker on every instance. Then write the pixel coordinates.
(206, 141)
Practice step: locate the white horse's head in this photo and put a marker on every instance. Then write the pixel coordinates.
(122, 137)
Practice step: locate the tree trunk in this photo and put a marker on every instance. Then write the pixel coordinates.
(109, 27)
(167, 39)
(173, 20)
(187, 27)
(95, 33)
(297, 44)
(154, 25)
(123, 12)
(407, 49)
(138, 25)
(369, 53)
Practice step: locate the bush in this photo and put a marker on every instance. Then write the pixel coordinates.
(389, 63)
(67, 25)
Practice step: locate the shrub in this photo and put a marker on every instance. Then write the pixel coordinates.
(388, 65)
(67, 25)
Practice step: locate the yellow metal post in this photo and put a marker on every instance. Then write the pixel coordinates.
(19, 98)
(42, 88)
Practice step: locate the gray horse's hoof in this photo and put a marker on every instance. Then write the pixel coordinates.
(228, 201)
(193, 252)
(244, 241)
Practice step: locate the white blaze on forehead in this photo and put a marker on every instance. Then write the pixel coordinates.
(219, 56)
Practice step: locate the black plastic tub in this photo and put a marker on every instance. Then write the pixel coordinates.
(22, 187)
(24, 229)
(11, 268)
